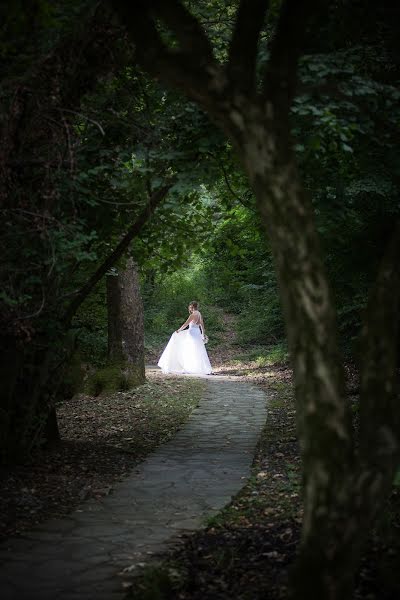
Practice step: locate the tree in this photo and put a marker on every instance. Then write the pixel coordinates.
(343, 486)
(41, 90)
(125, 322)
(48, 202)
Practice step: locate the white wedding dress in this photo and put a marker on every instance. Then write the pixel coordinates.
(186, 353)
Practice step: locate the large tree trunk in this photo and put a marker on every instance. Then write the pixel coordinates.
(126, 323)
(342, 487)
(324, 420)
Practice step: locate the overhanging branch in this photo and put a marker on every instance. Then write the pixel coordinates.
(187, 29)
(184, 67)
(286, 47)
(110, 261)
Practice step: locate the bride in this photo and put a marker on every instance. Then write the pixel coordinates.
(185, 351)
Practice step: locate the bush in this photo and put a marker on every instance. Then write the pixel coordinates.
(261, 322)
(112, 378)
(264, 356)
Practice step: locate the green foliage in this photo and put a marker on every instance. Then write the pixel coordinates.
(264, 356)
(346, 127)
(260, 321)
(80, 171)
(166, 301)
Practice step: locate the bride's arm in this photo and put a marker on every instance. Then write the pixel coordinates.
(203, 332)
(186, 323)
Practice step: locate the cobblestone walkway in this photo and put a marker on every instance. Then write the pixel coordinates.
(190, 478)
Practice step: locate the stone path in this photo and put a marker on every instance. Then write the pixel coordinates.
(190, 478)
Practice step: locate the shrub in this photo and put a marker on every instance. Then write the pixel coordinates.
(112, 378)
(261, 322)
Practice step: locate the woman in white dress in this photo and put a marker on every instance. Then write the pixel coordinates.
(185, 351)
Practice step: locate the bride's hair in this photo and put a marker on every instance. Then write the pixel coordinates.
(194, 304)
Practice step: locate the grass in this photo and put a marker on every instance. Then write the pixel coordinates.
(159, 582)
(264, 356)
(112, 378)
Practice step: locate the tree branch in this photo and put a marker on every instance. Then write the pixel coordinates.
(244, 43)
(181, 68)
(187, 29)
(287, 44)
(79, 114)
(229, 186)
(132, 232)
(379, 411)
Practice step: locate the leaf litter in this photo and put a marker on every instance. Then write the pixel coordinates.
(103, 438)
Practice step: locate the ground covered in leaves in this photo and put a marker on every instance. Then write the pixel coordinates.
(103, 438)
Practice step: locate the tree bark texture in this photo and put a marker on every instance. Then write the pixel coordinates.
(126, 322)
(343, 486)
(323, 416)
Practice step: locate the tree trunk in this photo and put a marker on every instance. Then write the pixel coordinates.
(342, 489)
(51, 431)
(126, 322)
(25, 400)
(323, 415)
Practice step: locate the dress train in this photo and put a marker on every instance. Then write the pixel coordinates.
(186, 353)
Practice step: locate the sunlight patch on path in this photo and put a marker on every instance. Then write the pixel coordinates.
(89, 554)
